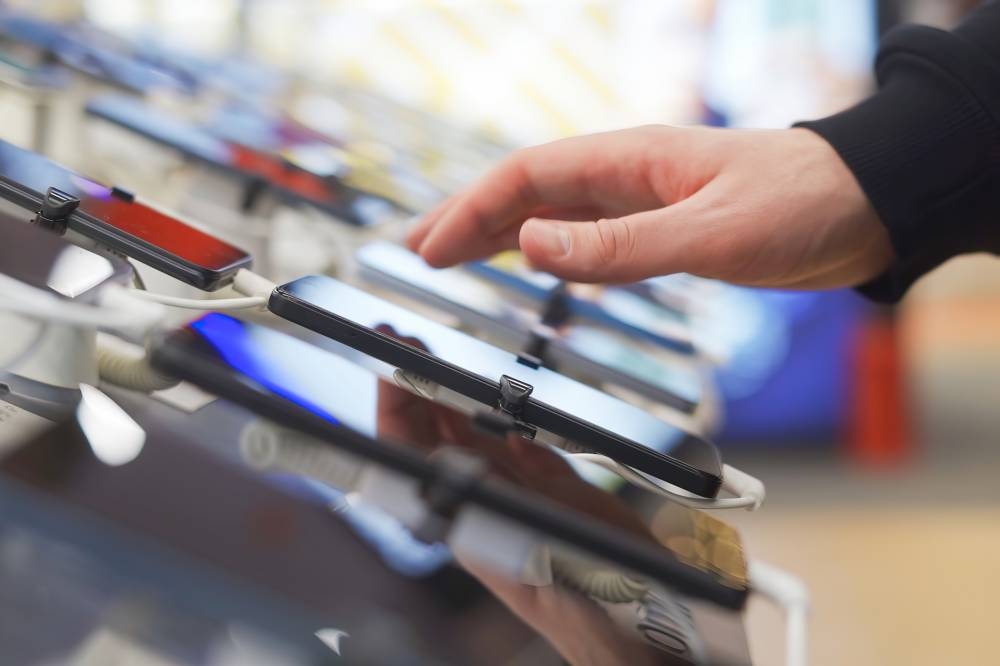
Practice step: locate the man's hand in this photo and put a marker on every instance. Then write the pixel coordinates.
(776, 208)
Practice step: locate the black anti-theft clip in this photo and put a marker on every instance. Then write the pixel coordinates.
(455, 474)
(513, 397)
(57, 206)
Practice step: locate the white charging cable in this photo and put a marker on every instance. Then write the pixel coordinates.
(255, 287)
(749, 492)
(115, 308)
(792, 595)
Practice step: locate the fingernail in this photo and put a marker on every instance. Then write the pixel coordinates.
(553, 238)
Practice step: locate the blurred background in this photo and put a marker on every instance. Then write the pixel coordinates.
(876, 431)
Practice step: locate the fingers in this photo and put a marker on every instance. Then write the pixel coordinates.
(419, 232)
(622, 249)
(584, 173)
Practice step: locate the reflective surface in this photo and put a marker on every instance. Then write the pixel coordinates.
(461, 289)
(347, 394)
(610, 306)
(582, 605)
(134, 220)
(43, 260)
(578, 402)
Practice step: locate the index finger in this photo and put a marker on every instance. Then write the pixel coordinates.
(484, 219)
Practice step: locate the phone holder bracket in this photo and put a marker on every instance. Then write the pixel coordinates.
(57, 206)
(513, 397)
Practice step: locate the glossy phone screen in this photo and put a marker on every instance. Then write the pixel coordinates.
(610, 306)
(468, 291)
(249, 162)
(459, 361)
(278, 367)
(130, 219)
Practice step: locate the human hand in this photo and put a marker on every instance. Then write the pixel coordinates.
(758, 207)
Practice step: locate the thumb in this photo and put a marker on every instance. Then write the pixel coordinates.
(623, 249)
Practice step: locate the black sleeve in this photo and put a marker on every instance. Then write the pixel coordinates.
(925, 148)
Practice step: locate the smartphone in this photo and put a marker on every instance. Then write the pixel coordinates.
(614, 307)
(115, 219)
(247, 163)
(478, 370)
(575, 348)
(310, 389)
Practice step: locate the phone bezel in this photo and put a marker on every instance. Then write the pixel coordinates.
(557, 349)
(206, 279)
(581, 307)
(389, 350)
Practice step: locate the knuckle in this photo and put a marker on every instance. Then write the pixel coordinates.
(614, 241)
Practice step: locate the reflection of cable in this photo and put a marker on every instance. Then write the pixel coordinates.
(750, 491)
(265, 445)
(601, 583)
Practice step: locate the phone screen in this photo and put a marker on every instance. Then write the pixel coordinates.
(467, 290)
(280, 368)
(558, 404)
(610, 306)
(251, 162)
(133, 220)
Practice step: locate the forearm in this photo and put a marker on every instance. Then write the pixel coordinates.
(926, 147)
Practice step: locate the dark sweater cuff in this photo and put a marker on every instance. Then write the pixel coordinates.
(919, 148)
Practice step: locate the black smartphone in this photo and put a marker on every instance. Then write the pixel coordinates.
(548, 401)
(354, 409)
(113, 218)
(259, 170)
(612, 306)
(575, 347)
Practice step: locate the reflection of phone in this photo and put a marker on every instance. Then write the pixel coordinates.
(575, 348)
(613, 307)
(307, 388)
(113, 218)
(548, 400)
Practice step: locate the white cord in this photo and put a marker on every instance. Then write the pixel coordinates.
(115, 310)
(792, 595)
(748, 500)
(241, 303)
(256, 289)
(249, 283)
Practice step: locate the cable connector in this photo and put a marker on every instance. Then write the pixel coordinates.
(249, 283)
